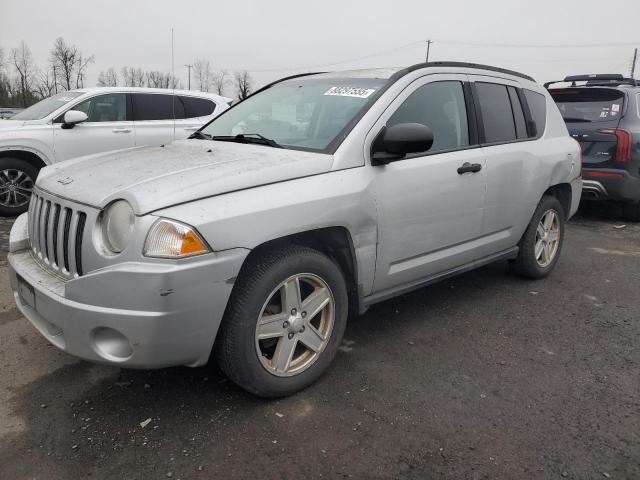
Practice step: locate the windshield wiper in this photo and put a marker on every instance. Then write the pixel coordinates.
(248, 138)
(200, 135)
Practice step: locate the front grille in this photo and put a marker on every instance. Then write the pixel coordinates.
(56, 230)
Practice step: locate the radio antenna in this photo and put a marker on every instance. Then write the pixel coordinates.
(173, 87)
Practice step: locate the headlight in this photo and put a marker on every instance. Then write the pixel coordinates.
(117, 225)
(171, 239)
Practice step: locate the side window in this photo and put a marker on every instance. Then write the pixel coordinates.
(105, 108)
(497, 116)
(518, 113)
(153, 106)
(197, 107)
(538, 108)
(440, 106)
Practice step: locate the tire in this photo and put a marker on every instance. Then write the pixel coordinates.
(17, 178)
(258, 295)
(631, 212)
(527, 263)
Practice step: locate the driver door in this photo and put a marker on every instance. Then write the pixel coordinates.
(109, 127)
(429, 215)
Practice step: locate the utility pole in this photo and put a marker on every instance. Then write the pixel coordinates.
(429, 42)
(55, 80)
(633, 63)
(189, 67)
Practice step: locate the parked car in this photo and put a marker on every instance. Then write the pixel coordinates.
(93, 120)
(6, 113)
(316, 196)
(603, 114)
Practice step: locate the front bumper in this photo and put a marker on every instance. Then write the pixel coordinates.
(134, 314)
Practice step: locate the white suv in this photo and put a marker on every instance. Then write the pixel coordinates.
(93, 120)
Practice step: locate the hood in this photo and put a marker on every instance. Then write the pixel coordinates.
(151, 178)
(10, 124)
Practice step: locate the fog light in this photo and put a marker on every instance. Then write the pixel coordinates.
(111, 344)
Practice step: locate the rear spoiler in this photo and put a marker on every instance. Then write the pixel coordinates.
(597, 80)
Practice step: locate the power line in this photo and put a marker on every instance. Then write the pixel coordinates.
(446, 42)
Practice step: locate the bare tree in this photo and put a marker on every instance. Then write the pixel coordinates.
(133, 77)
(203, 74)
(46, 85)
(108, 78)
(81, 67)
(26, 70)
(220, 81)
(243, 84)
(69, 63)
(157, 79)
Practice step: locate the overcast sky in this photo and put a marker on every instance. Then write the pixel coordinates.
(276, 38)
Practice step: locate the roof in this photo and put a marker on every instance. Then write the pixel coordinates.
(195, 93)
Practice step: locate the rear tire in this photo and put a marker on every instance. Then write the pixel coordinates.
(631, 212)
(267, 317)
(541, 243)
(17, 178)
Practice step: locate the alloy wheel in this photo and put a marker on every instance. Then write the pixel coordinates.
(15, 188)
(547, 238)
(295, 325)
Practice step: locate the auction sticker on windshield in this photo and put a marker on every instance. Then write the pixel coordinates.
(350, 92)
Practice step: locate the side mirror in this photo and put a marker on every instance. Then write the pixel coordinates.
(395, 142)
(73, 117)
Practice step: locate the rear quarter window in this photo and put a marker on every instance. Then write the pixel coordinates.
(197, 107)
(538, 107)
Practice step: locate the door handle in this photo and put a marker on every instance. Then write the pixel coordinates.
(191, 129)
(469, 168)
(121, 130)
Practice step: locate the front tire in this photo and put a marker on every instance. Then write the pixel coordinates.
(17, 178)
(541, 243)
(284, 322)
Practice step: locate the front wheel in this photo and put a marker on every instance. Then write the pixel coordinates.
(284, 321)
(17, 178)
(541, 243)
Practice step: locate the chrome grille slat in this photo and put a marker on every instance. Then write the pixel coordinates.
(54, 235)
(56, 231)
(47, 231)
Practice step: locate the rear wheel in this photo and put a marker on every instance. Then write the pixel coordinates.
(541, 243)
(631, 212)
(284, 322)
(17, 178)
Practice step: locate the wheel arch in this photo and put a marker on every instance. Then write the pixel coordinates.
(27, 155)
(561, 191)
(335, 242)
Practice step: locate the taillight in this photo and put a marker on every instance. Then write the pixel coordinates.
(625, 140)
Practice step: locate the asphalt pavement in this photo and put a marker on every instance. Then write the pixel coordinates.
(486, 375)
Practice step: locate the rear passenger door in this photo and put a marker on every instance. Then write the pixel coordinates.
(429, 210)
(153, 115)
(196, 111)
(505, 137)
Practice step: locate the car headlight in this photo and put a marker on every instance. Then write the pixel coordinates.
(117, 225)
(171, 239)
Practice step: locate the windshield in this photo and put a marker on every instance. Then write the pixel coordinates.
(304, 114)
(46, 106)
(587, 105)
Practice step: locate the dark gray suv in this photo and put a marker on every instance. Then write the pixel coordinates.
(602, 112)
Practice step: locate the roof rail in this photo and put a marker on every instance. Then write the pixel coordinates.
(418, 66)
(597, 80)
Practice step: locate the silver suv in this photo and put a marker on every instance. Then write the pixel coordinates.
(317, 196)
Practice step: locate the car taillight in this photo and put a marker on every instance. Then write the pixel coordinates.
(625, 140)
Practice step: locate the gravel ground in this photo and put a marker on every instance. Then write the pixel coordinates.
(483, 376)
